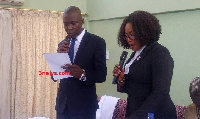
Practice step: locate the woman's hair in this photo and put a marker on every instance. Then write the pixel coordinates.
(194, 88)
(145, 26)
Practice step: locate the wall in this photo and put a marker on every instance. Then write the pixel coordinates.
(106, 9)
(54, 5)
(180, 34)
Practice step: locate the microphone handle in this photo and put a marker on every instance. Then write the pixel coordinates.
(115, 79)
(121, 63)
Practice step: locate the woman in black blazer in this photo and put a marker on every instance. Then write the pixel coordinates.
(146, 77)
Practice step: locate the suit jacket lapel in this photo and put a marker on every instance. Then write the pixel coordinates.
(81, 47)
(144, 52)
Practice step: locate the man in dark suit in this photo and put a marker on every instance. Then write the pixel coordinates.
(76, 98)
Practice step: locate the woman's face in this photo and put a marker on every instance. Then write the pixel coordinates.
(134, 44)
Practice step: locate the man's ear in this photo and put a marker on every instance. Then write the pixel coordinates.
(82, 21)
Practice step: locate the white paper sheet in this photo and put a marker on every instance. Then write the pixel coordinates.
(55, 61)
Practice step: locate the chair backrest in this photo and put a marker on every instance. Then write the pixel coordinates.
(120, 109)
(180, 110)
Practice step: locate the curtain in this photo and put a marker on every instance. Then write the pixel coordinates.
(33, 33)
(5, 63)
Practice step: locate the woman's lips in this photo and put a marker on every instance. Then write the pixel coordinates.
(131, 46)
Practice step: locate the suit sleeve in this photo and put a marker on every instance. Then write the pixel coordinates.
(162, 71)
(98, 73)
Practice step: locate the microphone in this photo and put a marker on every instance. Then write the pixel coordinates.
(121, 64)
(67, 38)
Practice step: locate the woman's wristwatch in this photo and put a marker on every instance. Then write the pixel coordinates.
(121, 81)
(83, 77)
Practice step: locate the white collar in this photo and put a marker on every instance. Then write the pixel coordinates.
(80, 36)
(140, 50)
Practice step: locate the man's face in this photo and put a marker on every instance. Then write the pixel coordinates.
(73, 24)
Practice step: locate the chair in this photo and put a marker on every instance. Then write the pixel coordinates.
(120, 110)
(180, 110)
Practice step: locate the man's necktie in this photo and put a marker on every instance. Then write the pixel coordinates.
(71, 50)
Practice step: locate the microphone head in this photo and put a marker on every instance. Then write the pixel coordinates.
(124, 55)
(67, 38)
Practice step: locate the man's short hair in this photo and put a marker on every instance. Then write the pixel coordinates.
(72, 9)
(195, 86)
